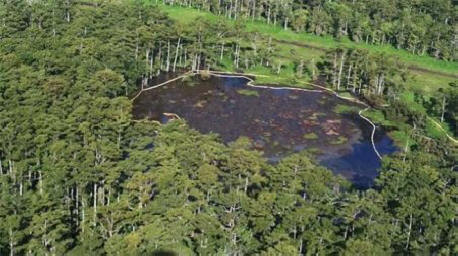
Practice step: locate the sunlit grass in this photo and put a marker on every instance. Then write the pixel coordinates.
(288, 53)
(188, 15)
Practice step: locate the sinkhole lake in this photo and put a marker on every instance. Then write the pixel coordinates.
(278, 121)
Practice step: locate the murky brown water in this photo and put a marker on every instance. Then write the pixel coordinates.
(279, 122)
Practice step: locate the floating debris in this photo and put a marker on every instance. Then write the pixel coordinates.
(279, 122)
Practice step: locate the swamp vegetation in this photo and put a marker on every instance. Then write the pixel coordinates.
(80, 175)
(278, 121)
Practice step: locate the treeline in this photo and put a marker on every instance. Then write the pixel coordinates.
(206, 45)
(79, 176)
(421, 27)
(363, 73)
(381, 81)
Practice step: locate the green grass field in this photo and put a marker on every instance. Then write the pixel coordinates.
(187, 15)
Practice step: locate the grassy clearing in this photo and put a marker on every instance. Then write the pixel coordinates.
(425, 62)
(428, 83)
(187, 15)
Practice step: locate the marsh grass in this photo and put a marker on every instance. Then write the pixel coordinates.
(344, 109)
(339, 140)
(248, 92)
(310, 136)
(187, 15)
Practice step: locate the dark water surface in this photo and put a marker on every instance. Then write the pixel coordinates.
(279, 122)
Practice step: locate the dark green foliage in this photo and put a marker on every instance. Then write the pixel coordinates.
(443, 105)
(368, 75)
(79, 176)
(421, 27)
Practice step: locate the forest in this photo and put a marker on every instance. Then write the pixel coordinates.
(421, 26)
(80, 176)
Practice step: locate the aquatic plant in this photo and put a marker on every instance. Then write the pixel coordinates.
(248, 92)
(310, 136)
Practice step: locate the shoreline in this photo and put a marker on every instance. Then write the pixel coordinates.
(251, 82)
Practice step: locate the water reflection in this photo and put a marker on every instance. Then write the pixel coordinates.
(279, 122)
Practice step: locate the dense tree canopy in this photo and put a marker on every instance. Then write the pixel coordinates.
(421, 27)
(79, 176)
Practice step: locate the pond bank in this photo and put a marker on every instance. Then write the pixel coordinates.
(279, 120)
